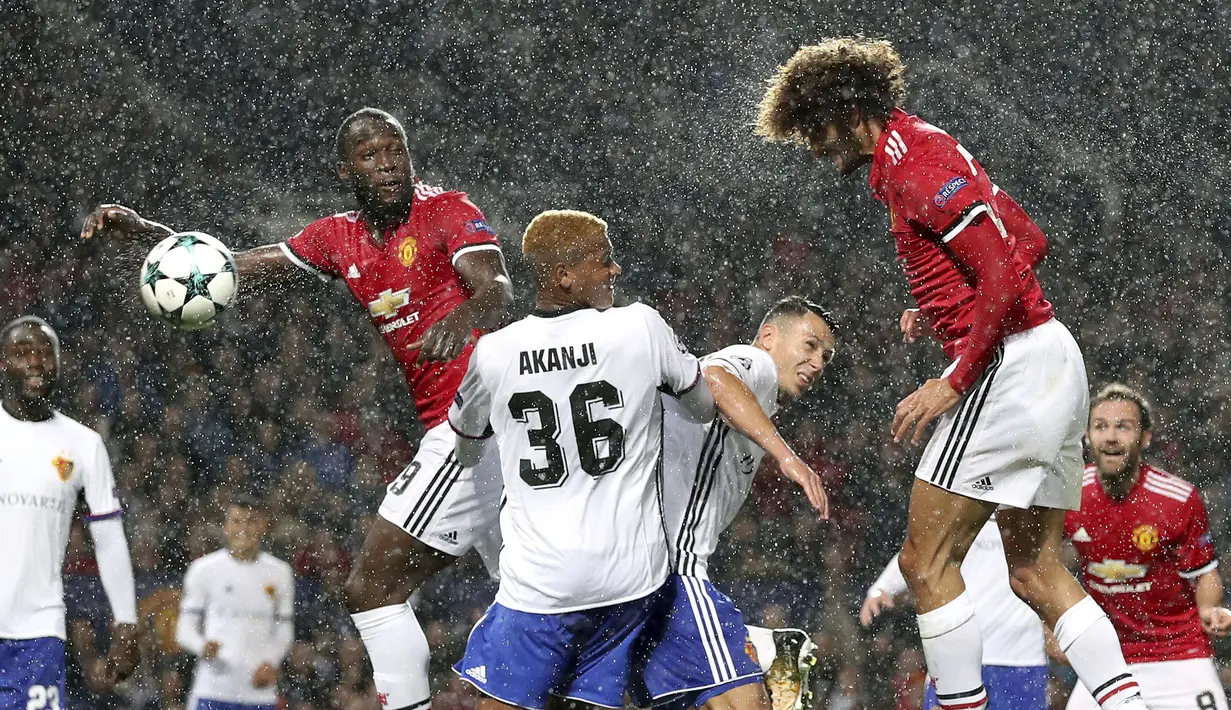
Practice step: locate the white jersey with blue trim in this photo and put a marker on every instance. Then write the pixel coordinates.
(708, 468)
(44, 467)
(573, 400)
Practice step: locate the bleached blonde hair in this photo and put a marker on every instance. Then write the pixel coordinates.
(560, 236)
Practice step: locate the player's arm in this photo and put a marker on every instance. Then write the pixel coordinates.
(188, 629)
(740, 408)
(114, 563)
(883, 593)
(484, 272)
(471, 411)
(1032, 244)
(1214, 618)
(124, 223)
(266, 674)
(1199, 564)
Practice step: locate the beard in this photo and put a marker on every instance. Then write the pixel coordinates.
(380, 210)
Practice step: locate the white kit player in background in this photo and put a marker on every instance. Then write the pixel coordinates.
(571, 394)
(710, 658)
(46, 461)
(1014, 656)
(236, 616)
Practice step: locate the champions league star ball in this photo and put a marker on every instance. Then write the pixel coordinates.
(188, 279)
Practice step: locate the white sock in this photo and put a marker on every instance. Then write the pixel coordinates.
(398, 650)
(763, 642)
(953, 647)
(1088, 639)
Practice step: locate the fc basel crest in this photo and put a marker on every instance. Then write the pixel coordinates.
(63, 466)
(407, 251)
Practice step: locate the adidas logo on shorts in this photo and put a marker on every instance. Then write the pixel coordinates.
(983, 484)
(479, 673)
(449, 537)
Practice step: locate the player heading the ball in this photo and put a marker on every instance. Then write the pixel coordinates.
(1012, 403)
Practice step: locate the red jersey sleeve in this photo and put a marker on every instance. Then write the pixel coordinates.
(310, 249)
(464, 228)
(1031, 243)
(940, 196)
(1196, 553)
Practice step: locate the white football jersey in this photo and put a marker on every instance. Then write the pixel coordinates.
(1012, 632)
(573, 399)
(44, 467)
(248, 608)
(708, 468)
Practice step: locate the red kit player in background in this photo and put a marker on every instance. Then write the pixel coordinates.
(1147, 557)
(1012, 404)
(430, 272)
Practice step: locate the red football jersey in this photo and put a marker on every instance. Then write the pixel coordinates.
(408, 283)
(1140, 557)
(934, 189)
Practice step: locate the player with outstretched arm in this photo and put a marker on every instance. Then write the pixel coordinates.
(429, 270)
(1010, 408)
(47, 461)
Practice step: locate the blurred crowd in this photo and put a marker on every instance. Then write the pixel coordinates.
(219, 116)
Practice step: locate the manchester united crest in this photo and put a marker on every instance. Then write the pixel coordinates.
(407, 251)
(1145, 537)
(63, 466)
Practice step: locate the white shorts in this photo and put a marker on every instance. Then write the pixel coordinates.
(446, 506)
(1191, 684)
(1015, 438)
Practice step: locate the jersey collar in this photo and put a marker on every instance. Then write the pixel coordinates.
(878, 156)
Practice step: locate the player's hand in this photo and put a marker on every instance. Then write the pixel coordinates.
(210, 652)
(124, 654)
(1216, 621)
(921, 407)
(873, 604)
(445, 339)
(265, 675)
(795, 469)
(914, 325)
(116, 221)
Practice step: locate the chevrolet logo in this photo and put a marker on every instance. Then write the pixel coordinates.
(389, 303)
(1116, 570)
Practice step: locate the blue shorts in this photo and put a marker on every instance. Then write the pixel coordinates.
(1008, 688)
(32, 674)
(701, 651)
(521, 658)
(207, 704)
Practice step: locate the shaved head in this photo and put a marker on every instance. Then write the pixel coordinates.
(365, 118)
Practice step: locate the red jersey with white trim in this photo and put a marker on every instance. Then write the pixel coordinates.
(934, 189)
(407, 283)
(1140, 559)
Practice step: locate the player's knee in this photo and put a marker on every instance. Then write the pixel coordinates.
(920, 567)
(1029, 580)
(358, 596)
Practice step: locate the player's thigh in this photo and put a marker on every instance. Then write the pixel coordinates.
(439, 502)
(31, 674)
(1030, 536)
(700, 648)
(941, 525)
(391, 565)
(745, 694)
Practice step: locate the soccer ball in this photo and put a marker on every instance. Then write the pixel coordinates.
(188, 279)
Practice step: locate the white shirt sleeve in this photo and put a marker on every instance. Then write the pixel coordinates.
(471, 412)
(752, 365)
(284, 621)
(891, 581)
(115, 568)
(678, 370)
(188, 631)
(99, 485)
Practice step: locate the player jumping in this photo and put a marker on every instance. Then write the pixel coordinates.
(1143, 539)
(1012, 403)
(706, 654)
(46, 462)
(430, 272)
(571, 394)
